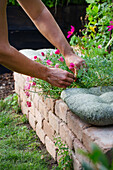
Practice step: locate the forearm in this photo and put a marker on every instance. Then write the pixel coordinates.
(46, 24)
(50, 29)
(16, 61)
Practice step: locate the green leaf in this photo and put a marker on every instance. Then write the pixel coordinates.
(90, 1)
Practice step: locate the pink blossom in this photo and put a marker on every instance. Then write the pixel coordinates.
(33, 84)
(27, 93)
(57, 51)
(28, 104)
(71, 31)
(57, 65)
(100, 46)
(35, 57)
(72, 65)
(42, 53)
(49, 62)
(61, 59)
(27, 87)
(111, 26)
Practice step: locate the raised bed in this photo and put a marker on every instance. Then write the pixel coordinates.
(50, 118)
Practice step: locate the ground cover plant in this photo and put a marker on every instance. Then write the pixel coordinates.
(20, 148)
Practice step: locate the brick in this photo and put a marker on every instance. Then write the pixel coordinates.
(16, 87)
(79, 146)
(43, 109)
(39, 117)
(66, 135)
(49, 131)
(41, 96)
(16, 76)
(35, 99)
(32, 109)
(40, 133)
(76, 125)
(23, 96)
(24, 108)
(32, 121)
(76, 163)
(54, 121)
(61, 110)
(51, 148)
(102, 136)
(50, 103)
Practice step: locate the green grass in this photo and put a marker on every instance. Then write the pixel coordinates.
(20, 148)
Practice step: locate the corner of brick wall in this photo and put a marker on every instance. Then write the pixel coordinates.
(49, 117)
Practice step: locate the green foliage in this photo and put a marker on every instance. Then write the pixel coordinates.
(20, 148)
(95, 74)
(98, 158)
(65, 161)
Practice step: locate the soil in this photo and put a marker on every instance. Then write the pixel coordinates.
(6, 85)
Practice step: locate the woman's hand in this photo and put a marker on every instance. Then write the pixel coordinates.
(60, 78)
(77, 61)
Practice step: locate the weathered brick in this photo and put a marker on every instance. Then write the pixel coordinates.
(76, 163)
(32, 121)
(51, 148)
(40, 133)
(39, 117)
(61, 110)
(76, 125)
(102, 136)
(49, 131)
(43, 109)
(54, 121)
(24, 108)
(32, 109)
(50, 103)
(35, 100)
(79, 146)
(23, 96)
(16, 87)
(66, 135)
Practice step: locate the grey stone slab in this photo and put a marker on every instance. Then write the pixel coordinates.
(94, 105)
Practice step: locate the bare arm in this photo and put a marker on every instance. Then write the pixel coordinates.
(46, 24)
(16, 61)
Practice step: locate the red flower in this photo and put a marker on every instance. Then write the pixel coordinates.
(28, 104)
(57, 51)
(35, 57)
(42, 54)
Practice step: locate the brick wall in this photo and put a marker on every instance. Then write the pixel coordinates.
(50, 117)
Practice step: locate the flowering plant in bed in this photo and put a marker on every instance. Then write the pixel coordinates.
(99, 73)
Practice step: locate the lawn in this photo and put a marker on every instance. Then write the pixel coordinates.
(20, 148)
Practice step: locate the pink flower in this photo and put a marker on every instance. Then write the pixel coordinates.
(57, 65)
(35, 57)
(57, 51)
(49, 62)
(33, 84)
(42, 54)
(27, 87)
(111, 26)
(28, 104)
(71, 31)
(72, 65)
(100, 46)
(61, 59)
(27, 93)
